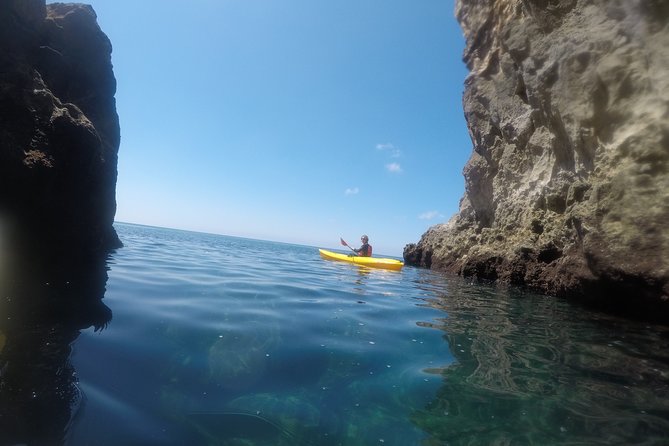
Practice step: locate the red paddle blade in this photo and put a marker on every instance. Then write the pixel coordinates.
(343, 242)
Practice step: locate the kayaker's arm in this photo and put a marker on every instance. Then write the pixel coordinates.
(364, 251)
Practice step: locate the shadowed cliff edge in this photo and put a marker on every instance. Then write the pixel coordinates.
(59, 138)
(59, 130)
(567, 188)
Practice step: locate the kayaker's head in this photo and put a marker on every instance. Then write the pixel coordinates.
(364, 239)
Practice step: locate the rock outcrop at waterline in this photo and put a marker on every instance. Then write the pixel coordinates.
(567, 188)
(59, 130)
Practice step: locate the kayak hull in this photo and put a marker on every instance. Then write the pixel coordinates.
(371, 262)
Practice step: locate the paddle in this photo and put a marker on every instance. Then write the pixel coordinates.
(343, 242)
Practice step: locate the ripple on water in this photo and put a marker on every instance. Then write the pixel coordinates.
(293, 349)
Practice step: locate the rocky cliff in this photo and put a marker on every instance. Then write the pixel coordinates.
(59, 130)
(567, 188)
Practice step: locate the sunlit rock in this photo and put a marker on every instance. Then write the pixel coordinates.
(567, 188)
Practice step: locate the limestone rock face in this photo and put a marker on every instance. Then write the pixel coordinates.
(59, 130)
(567, 188)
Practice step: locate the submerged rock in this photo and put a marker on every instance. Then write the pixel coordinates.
(59, 130)
(567, 188)
(237, 361)
(296, 418)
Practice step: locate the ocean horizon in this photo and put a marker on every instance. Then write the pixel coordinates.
(334, 247)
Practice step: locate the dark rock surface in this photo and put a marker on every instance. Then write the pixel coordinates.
(59, 130)
(59, 138)
(567, 188)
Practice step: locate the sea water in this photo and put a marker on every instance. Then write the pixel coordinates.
(217, 340)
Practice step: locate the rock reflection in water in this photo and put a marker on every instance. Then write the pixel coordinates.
(46, 298)
(537, 370)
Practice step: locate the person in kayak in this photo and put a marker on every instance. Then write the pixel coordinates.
(366, 249)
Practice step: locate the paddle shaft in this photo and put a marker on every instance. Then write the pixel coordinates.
(343, 242)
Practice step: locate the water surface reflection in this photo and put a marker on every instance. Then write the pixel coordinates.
(46, 297)
(537, 370)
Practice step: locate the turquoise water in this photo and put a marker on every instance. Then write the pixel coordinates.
(217, 340)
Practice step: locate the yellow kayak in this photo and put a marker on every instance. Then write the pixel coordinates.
(372, 262)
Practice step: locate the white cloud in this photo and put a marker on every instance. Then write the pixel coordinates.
(429, 215)
(394, 168)
(351, 191)
(394, 151)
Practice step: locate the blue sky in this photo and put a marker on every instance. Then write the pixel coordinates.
(299, 121)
